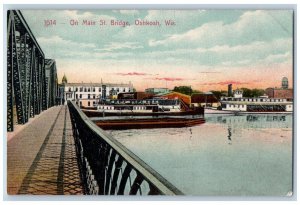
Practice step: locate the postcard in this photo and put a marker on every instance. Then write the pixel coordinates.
(194, 102)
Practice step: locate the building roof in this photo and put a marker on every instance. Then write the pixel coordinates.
(204, 98)
(172, 93)
(100, 84)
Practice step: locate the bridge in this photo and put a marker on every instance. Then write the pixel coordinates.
(31, 79)
(60, 150)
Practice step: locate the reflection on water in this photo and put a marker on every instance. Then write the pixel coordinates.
(253, 121)
(229, 134)
(228, 155)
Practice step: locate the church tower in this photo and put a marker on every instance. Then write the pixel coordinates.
(64, 79)
(284, 83)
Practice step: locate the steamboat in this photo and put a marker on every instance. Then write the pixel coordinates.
(149, 113)
(261, 104)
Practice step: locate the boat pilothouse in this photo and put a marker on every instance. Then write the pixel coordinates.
(140, 106)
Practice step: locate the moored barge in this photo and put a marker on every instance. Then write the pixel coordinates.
(143, 123)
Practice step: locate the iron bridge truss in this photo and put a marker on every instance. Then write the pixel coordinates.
(31, 79)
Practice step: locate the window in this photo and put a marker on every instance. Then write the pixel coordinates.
(81, 89)
(76, 96)
(94, 96)
(80, 96)
(124, 90)
(69, 89)
(84, 89)
(89, 89)
(93, 89)
(118, 90)
(89, 104)
(76, 89)
(89, 96)
(99, 89)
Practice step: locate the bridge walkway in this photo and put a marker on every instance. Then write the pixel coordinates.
(41, 158)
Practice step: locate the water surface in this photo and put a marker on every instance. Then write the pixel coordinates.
(228, 155)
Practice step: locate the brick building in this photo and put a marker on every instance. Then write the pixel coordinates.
(205, 99)
(283, 92)
(279, 93)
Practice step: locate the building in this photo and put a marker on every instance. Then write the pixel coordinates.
(284, 83)
(229, 90)
(156, 91)
(204, 100)
(238, 93)
(135, 95)
(283, 92)
(88, 95)
(279, 93)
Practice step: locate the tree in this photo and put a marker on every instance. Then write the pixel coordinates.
(196, 92)
(183, 89)
(257, 92)
(246, 92)
(252, 93)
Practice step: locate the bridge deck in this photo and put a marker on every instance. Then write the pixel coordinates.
(41, 158)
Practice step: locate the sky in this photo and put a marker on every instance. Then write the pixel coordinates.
(205, 49)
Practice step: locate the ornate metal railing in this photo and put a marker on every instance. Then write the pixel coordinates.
(109, 168)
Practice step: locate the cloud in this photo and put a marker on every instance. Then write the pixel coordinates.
(251, 26)
(59, 41)
(275, 58)
(132, 74)
(120, 45)
(129, 12)
(169, 79)
(209, 72)
(78, 15)
(252, 53)
(225, 83)
(75, 14)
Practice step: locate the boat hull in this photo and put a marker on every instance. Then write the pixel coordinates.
(148, 123)
(94, 113)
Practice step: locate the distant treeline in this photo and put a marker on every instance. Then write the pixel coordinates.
(246, 91)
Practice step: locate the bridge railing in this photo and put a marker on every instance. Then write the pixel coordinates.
(109, 168)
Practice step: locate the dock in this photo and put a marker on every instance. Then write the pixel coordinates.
(41, 158)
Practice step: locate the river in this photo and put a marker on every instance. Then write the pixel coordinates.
(248, 155)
